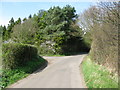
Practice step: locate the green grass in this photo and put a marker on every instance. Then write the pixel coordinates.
(97, 76)
(11, 76)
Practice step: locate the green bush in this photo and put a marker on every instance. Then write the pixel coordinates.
(14, 54)
(45, 50)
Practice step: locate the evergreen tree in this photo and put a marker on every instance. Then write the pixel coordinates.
(18, 21)
(30, 16)
(8, 31)
(11, 21)
(58, 21)
(4, 30)
(60, 27)
(24, 19)
(1, 31)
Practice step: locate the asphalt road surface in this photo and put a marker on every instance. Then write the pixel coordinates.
(61, 72)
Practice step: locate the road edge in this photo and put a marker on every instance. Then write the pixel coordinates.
(81, 72)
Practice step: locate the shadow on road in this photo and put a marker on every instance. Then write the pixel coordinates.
(45, 64)
(74, 54)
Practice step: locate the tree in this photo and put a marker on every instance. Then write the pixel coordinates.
(1, 31)
(41, 13)
(59, 20)
(25, 32)
(87, 21)
(59, 27)
(30, 16)
(11, 21)
(102, 24)
(4, 30)
(40, 19)
(18, 21)
(4, 33)
(24, 19)
(9, 29)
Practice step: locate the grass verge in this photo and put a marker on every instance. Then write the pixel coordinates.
(97, 76)
(11, 76)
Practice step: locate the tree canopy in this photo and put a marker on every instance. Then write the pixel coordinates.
(55, 28)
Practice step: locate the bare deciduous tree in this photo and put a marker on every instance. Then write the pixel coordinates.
(102, 21)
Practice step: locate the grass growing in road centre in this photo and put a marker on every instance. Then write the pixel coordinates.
(97, 76)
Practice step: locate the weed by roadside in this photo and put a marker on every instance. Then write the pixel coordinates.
(97, 76)
(9, 77)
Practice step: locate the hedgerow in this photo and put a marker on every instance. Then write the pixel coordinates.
(14, 54)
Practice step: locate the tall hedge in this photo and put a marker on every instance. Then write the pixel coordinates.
(105, 35)
(15, 55)
(101, 24)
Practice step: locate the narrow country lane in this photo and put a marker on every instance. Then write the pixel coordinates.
(61, 72)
